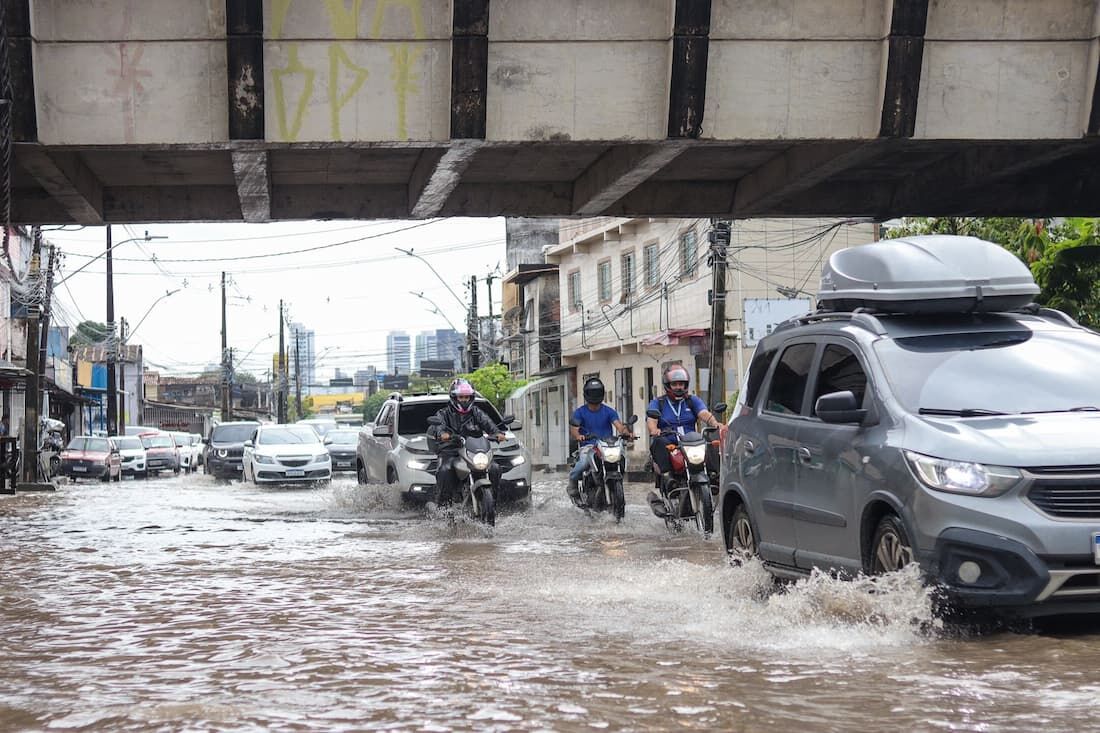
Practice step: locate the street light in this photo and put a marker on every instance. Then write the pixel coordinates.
(147, 238)
(435, 308)
(410, 253)
(135, 328)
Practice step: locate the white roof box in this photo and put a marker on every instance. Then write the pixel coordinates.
(928, 274)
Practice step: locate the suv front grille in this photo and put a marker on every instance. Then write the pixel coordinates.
(1070, 498)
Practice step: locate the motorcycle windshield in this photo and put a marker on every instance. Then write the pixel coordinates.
(477, 445)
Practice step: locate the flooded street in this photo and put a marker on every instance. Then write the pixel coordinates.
(184, 604)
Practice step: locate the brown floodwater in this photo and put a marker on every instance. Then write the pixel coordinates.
(182, 604)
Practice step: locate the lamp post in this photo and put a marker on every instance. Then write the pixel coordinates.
(435, 309)
(124, 336)
(410, 253)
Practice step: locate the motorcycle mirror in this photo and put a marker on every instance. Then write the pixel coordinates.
(655, 414)
(633, 419)
(719, 408)
(507, 419)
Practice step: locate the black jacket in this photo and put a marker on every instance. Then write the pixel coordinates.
(473, 423)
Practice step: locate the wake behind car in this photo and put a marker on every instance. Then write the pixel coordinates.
(286, 454)
(340, 444)
(225, 449)
(927, 413)
(395, 450)
(91, 457)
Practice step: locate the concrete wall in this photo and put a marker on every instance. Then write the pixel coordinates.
(525, 239)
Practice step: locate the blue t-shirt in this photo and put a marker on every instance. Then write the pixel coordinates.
(596, 423)
(678, 415)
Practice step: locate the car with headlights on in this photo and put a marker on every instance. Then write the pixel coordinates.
(89, 456)
(395, 450)
(286, 454)
(225, 448)
(927, 413)
(131, 453)
(340, 444)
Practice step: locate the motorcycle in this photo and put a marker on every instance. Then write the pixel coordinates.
(601, 486)
(474, 468)
(687, 494)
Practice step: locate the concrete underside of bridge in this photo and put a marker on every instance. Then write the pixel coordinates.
(242, 110)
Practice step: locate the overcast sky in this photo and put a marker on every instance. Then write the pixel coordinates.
(351, 294)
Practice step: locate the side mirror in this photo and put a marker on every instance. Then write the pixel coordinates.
(435, 420)
(719, 408)
(508, 419)
(633, 419)
(655, 414)
(839, 408)
(328, 441)
(247, 444)
(574, 422)
(384, 431)
(515, 427)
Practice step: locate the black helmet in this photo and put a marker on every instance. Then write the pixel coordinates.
(676, 373)
(594, 391)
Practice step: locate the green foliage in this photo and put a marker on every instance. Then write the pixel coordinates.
(373, 404)
(292, 408)
(88, 333)
(494, 382)
(1064, 256)
(244, 377)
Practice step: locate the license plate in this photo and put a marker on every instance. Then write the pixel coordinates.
(1096, 547)
(343, 464)
(240, 468)
(80, 469)
(295, 474)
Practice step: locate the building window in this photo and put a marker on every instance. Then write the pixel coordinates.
(689, 254)
(604, 275)
(652, 265)
(628, 274)
(624, 388)
(575, 290)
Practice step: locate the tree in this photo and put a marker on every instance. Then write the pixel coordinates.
(88, 333)
(495, 383)
(244, 377)
(373, 404)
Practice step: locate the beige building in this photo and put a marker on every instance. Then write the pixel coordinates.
(634, 295)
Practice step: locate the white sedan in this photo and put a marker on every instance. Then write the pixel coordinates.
(283, 454)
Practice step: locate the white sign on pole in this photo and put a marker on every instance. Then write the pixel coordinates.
(762, 315)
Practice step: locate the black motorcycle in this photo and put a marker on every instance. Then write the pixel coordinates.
(476, 472)
(687, 494)
(601, 485)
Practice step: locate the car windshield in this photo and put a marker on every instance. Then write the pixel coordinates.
(157, 441)
(321, 428)
(127, 443)
(414, 415)
(96, 445)
(288, 435)
(232, 433)
(1019, 371)
(343, 437)
(181, 440)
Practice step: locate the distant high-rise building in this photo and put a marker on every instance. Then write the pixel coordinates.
(398, 353)
(302, 341)
(363, 377)
(426, 348)
(449, 345)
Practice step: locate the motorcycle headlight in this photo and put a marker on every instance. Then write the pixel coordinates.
(960, 477)
(417, 465)
(480, 461)
(518, 461)
(612, 455)
(222, 452)
(696, 454)
(260, 458)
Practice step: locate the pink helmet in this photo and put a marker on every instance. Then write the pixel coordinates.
(462, 396)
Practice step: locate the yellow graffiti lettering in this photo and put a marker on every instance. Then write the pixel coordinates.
(294, 66)
(279, 9)
(344, 20)
(403, 58)
(416, 13)
(337, 99)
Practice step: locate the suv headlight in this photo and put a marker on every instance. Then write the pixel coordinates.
(960, 477)
(480, 461)
(612, 455)
(417, 465)
(260, 458)
(222, 452)
(696, 454)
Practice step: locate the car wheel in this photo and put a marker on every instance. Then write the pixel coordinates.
(741, 540)
(891, 548)
(361, 474)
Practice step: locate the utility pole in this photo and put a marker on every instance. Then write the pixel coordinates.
(44, 325)
(226, 412)
(280, 410)
(112, 345)
(32, 386)
(473, 348)
(719, 237)
(122, 373)
(298, 371)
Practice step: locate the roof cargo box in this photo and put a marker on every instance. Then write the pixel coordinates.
(929, 274)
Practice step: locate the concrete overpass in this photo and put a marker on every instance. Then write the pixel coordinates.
(161, 110)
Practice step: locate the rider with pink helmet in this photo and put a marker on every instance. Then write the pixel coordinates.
(459, 417)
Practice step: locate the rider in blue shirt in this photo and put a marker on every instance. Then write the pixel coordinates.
(597, 420)
(680, 411)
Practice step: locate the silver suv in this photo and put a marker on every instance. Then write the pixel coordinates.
(394, 449)
(926, 413)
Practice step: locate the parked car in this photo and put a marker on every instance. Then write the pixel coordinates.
(341, 448)
(286, 454)
(183, 447)
(139, 430)
(395, 450)
(225, 448)
(199, 447)
(161, 453)
(928, 414)
(322, 425)
(132, 455)
(88, 456)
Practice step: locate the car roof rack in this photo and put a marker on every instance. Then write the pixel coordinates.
(864, 318)
(1034, 309)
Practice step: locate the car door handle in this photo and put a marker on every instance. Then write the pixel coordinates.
(804, 454)
(749, 447)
